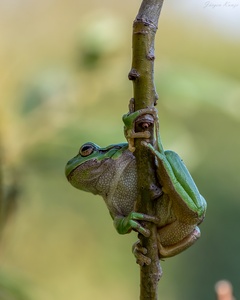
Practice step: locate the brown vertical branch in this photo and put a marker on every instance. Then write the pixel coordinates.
(1, 191)
(145, 96)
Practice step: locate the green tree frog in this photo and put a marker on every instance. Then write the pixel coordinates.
(111, 173)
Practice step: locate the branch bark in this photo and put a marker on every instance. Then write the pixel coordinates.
(145, 96)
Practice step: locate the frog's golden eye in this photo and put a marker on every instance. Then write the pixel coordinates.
(86, 150)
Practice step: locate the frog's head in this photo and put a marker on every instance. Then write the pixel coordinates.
(83, 170)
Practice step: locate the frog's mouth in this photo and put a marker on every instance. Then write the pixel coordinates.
(86, 176)
(73, 167)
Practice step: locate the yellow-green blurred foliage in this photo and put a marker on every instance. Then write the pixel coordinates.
(63, 76)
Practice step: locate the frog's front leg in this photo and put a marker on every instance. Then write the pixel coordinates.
(131, 222)
(129, 128)
(125, 224)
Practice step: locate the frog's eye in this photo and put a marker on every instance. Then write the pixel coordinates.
(86, 150)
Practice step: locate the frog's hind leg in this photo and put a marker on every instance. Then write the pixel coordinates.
(168, 249)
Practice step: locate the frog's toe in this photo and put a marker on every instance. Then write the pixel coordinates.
(139, 252)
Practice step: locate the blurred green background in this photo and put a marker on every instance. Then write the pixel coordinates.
(63, 77)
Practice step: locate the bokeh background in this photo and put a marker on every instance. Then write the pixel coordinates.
(63, 82)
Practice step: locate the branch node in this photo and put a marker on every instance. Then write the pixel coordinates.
(145, 122)
(151, 56)
(133, 74)
(146, 22)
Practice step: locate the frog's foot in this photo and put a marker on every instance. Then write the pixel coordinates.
(136, 135)
(172, 250)
(140, 254)
(131, 222)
